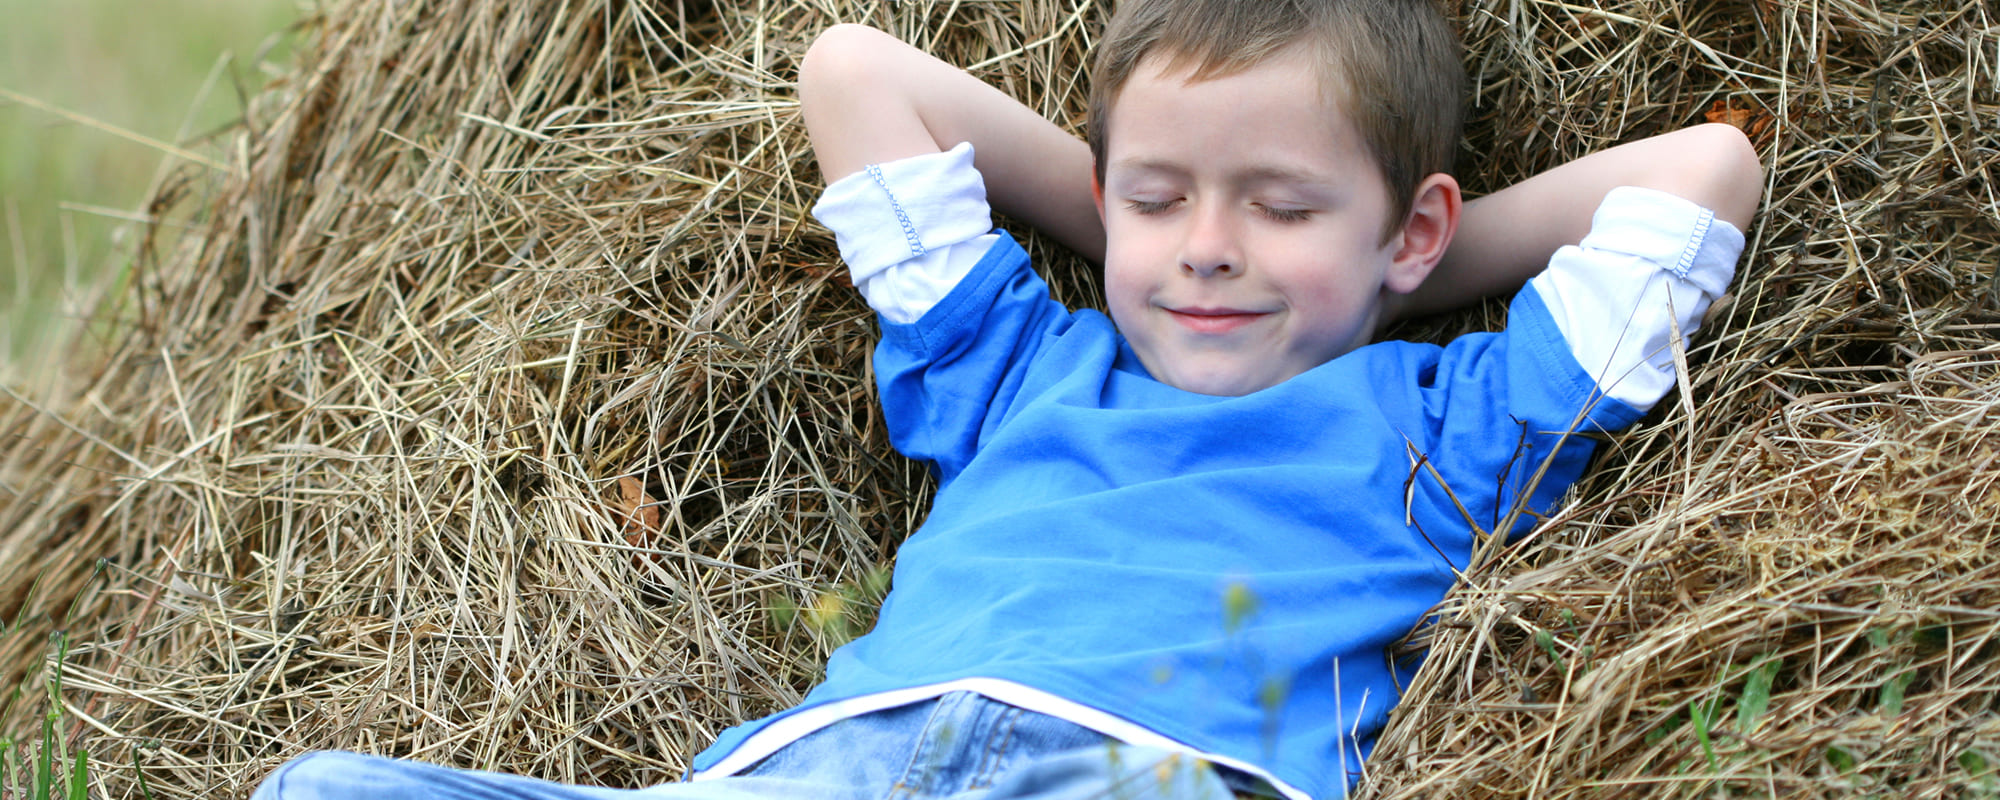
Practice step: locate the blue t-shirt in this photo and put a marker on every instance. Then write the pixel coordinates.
(1230, 572)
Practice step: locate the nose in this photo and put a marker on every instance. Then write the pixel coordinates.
(1211, 247)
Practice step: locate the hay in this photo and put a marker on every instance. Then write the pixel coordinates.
(498, 404)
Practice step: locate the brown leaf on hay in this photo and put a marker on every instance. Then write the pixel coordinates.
(1753, 122)
(372, 516)
(641, 517)
(641, 520)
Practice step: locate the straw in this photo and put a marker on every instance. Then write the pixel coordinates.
(499, 406)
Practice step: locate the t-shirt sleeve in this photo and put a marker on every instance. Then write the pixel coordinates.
(962, 313)
(1585, 351)
(950, 377)
(1509, 417)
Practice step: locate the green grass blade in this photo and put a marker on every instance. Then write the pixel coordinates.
(79, 778)
(145, 789)
(44, 762)
(1892, 692)
(1703, 718)
(45, 772)
(1757, 693)
(14, 696)
(60, 640)
(13, 776)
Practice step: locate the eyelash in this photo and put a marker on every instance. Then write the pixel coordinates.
(1146, 208)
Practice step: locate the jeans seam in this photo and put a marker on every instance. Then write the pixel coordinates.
(997, 747)
(901, 787)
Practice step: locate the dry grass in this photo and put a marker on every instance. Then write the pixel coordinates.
(494, 402)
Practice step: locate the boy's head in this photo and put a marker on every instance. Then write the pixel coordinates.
(1268, 170)
(1391, 67)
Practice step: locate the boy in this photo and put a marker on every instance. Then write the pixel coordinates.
(1170, 547)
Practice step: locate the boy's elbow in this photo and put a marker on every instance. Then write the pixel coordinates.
(838, 59)
(1723, 172)
(840, 88)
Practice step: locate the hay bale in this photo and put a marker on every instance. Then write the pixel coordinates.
(500, 403)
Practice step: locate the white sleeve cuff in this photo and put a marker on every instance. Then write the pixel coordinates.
(1652, 261)
(910, 229)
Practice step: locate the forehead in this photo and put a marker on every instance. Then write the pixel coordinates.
(1305, 61)
(1276, 112)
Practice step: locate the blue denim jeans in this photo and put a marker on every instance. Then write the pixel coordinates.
(961, 746)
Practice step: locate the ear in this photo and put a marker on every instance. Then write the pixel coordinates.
(1426, 234)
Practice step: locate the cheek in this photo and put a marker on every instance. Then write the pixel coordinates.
(1318, 291)
(1122, 292)
(1127, 281)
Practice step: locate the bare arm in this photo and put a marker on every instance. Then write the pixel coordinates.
(868, 98)
(1506, 237)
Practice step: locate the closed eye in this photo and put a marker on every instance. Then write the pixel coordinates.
(1286, 214)
(1148, 207)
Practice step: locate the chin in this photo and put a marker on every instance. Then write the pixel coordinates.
(1219, 385)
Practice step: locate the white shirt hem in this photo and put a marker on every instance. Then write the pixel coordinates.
(796, 726)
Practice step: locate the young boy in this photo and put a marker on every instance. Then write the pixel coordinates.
(1171, 547)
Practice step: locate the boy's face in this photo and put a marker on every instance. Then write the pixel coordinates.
(1244, 225)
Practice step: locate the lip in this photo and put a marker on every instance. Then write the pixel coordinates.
(1213, 320)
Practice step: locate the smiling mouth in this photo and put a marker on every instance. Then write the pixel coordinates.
(1205, 320)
